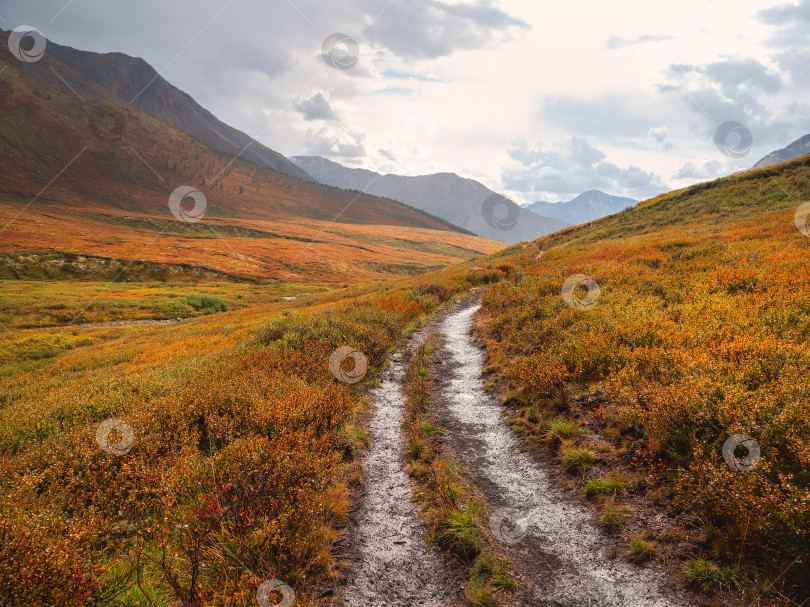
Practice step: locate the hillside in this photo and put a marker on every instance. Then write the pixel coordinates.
(93, 176)
(136, 82)
(586, 207)
(700, 331)
(282, 392)
(446, 195)
(800, 147)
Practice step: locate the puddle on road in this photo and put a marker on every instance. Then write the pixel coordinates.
(558, 530)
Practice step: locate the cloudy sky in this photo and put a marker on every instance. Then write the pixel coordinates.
(538, 100)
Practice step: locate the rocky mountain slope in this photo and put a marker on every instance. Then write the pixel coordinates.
(800, 147)
(455, 199)
(586, 207)
(135, 81)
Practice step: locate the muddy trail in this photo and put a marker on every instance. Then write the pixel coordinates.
(560, 556)
(393, 563)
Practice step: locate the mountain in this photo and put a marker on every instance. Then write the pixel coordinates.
(135, 81)
(85, 174)
(586, 207)
(800, 147)
(446, 195)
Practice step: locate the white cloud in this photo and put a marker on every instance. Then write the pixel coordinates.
(335, 141)
(316, 108)
(566, 168)
(702, 168)
(488, 72)
(657, 134)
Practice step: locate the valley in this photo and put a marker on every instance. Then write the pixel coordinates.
(229, 377)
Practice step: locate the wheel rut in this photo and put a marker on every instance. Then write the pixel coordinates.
(561, 557)
(394, 565)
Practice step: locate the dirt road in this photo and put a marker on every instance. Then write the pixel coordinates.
(560, 556)
(396, 567)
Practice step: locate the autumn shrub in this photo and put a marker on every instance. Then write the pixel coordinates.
(439, 291)
(207, 304)
(239, 438)
(695, 337)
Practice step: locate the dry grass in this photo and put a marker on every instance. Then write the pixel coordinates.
(702, 331)
(238, 465)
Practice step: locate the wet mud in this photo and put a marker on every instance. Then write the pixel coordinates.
(561, 557)
(394, 565)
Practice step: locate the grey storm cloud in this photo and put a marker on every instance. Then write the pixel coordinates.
(735, 74)
(316, 108)
(792, 36)
(706, 169)
(733, 89)
(795, 62)
(426, 30)
(571, 167)
(792, 21)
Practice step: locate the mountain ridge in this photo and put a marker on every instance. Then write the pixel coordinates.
(799, 147)
(456, 199)
(587, 206)
(93, 175)
(136, 82)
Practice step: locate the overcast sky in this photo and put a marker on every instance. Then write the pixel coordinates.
(538, 100)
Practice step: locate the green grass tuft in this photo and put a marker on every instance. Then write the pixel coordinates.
(576, 458)
(459, 534)
(641, 550)
(612, 518)
(604, 486)
(562, 429)
(707, 576)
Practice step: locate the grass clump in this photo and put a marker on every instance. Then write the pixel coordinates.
(604, 486)
(708, 576)
(612, 517)
(431, 429)
(561, 429)
(489, 573)
(490, 567)
(458, 533)
(479, 595)
(641, 550)
(532, 414)
(576, 458)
